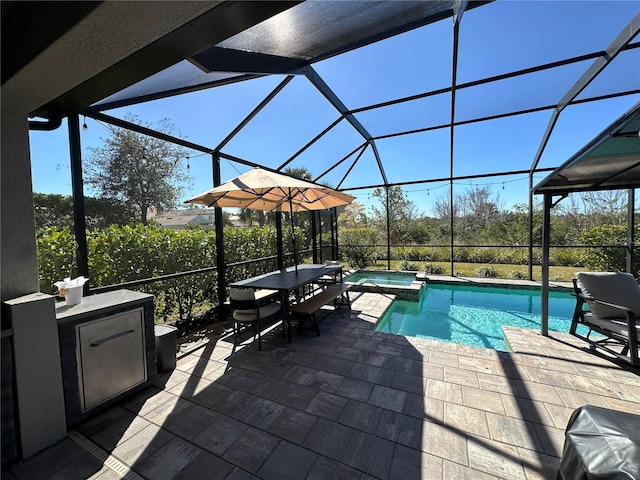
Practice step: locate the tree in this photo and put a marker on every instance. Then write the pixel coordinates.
(608, 206)
(302, 173)
(54, 210)
(358, 246)
(353, 215)
(407, 223)
(303, 219)
(478, 211)
(249, 217)
(442, 207)
(473, 210)
(138, 170)
(608, 252)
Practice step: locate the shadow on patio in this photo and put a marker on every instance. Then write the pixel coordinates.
(352, 403)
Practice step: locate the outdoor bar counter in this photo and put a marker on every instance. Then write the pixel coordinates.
(107, 346)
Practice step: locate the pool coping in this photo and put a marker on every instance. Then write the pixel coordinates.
(401, 292)
(495, 282)
(412, 292)
(422, 277)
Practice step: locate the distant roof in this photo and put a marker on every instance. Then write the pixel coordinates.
(181, 216)
(610, 161)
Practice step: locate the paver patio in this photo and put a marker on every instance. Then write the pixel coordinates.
(350, 404)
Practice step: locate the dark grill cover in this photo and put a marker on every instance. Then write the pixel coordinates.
(601, 444)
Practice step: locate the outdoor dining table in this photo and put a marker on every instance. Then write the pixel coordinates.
(288, 280)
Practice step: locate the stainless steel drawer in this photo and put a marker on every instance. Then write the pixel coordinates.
(111, 357)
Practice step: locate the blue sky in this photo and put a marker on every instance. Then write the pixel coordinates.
(494, 39)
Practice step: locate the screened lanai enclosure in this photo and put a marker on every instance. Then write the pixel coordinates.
(438, 116)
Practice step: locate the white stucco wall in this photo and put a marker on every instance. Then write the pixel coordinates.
(113, 31)
(17, 232)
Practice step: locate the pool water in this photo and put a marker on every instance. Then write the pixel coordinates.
(382, 278)
(471, 315)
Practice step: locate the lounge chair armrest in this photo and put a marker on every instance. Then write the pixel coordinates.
(631, 318)
(627, 312)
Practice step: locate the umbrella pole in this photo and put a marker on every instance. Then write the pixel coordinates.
(293, 236)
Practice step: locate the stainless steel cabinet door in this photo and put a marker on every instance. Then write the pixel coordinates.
(111, 357)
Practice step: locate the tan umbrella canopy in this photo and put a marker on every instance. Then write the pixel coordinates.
(260, 189)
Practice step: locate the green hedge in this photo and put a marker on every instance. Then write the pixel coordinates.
(608, 252)
(355, 246)
(120, 254)
(568, 257)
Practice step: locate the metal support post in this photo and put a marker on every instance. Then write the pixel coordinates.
(546, 226)
(333, 234)
(388, 230)
(452, 245)
(631, 220)
(314, 240)
(279, 248)
(530, 261)
(320, 235)
(77, 187)
(337, 255)
(220, 261)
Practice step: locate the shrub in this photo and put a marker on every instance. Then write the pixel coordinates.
(439, 254)
(55, 248)
(356, 245)
(119, 254)
(567, 257)
(608, 252)
(517, 274)
(410, 253)
(407, 265)
(461, 254)
(508, 255)
(487, 272)
(481, 255)
(434, 269)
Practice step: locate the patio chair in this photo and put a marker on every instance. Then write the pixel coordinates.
(613, 301)
(250, 307)
(330, 277)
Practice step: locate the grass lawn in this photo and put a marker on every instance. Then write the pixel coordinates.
(503, 270)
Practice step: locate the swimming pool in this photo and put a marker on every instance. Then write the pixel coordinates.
(472, 315)
(381, 278)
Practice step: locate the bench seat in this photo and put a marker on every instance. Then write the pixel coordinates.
(310, 306)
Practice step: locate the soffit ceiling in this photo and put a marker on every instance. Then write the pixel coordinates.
(273, 38)
(238, 41)
(611, 161)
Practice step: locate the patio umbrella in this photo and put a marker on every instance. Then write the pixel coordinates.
(260, 189)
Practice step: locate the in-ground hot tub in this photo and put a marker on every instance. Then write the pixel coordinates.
(404, 285)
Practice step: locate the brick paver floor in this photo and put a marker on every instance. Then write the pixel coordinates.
(349, 404)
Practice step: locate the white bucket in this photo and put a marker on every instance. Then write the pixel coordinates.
(73, 295)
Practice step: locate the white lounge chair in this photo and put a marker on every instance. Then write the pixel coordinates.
(613, 301)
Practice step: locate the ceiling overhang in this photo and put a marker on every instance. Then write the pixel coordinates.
(50, 19)
(217, 24)
(239, 40)
(610, 161)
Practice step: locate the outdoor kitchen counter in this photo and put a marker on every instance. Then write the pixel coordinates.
(102, 303)
(107, 350)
